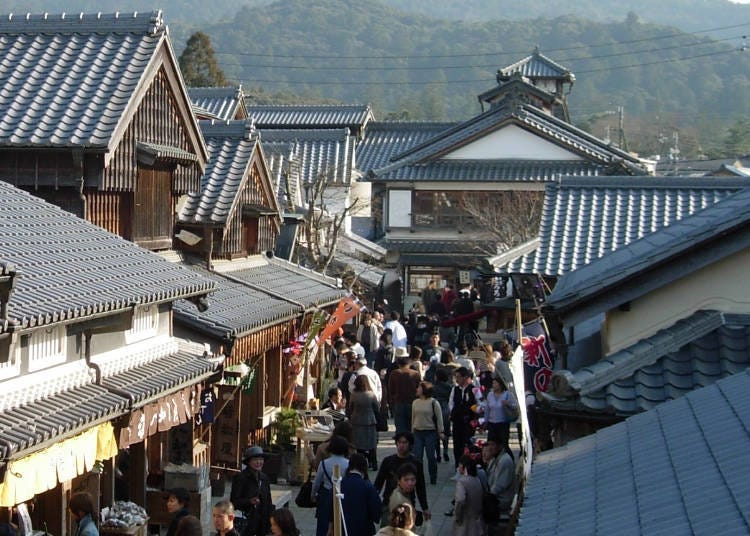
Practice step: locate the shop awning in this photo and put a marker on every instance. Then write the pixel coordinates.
(55, 417)
(61, 462)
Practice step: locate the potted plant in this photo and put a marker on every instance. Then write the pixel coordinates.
(280, 457)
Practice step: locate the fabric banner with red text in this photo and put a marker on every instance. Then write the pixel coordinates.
(347, 308)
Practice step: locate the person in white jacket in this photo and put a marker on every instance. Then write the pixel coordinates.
(361, 369)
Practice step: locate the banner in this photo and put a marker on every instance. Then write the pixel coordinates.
(517, 368)
(537, 357)
(347, 309)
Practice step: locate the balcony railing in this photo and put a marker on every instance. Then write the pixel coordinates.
(443, 220)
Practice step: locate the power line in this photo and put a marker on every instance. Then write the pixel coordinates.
(450, 67)
(483, 80)
(475, 54)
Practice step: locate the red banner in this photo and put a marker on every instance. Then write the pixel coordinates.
(347, 308)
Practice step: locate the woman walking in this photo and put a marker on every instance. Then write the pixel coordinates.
(400, 522)
(362, 410)
(427, 427)
(467, 519)
(500, 406)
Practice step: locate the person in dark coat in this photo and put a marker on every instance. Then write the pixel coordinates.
(177, 505)
(251, 494)
(223, 518)
(361, 503)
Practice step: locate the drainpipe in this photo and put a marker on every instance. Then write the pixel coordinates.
(78, 165)
(87, 357)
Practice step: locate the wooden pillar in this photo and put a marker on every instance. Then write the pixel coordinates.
(138, 472)
(107, 482)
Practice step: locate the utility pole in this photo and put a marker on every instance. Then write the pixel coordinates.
(623, 144)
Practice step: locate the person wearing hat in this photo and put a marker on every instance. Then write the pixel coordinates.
(251, 494)
(402, 390)
(361, 369)
(177, 505)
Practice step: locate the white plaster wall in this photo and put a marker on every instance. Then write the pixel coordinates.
(721, 286)
(399, 208)
(362, 191)
(512, 142)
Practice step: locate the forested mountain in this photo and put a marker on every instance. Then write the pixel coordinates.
(414, 66)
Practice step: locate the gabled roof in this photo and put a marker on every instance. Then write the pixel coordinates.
(516, 85)
(536, 65)
(384, 140)
(308, 154)
(68, 268)
(692, 353)
(525, 116)
(295, 116)
(449, 252)
(680, 468)
(76, 80)
(655, 260)
(306, 287)
(583, 219)
(225, 103)
(235, 309)
(233, 146)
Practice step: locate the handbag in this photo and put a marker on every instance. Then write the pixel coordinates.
(382, 418)
(304, 495)
(511, 412)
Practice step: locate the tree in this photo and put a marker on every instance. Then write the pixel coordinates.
(198, 63)
(328, 207)
(509, 217)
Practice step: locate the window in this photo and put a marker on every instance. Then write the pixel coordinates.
(46, 347)
(145, 324)
(9, 362)
(439, 209)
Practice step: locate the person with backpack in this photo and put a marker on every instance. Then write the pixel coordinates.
(427, 427)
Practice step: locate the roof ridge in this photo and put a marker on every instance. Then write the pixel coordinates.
(652, 182)
(150, 23)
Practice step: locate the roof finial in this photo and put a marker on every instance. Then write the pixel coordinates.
(537, 50)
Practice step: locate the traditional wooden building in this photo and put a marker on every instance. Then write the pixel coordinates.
(440, 186)
(88, 362)
(94, 118)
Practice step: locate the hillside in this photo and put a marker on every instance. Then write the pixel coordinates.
(356, 52)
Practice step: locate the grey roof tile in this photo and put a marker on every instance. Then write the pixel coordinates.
(728, 214)
(62, 414)
(69, 268)
(295, 116)
(298, 284)
(690, 471)
(235, 309)
(385, 140)
(585, 218)
(311, 153)
(222, 102)
(161, 376)
(536, 65)
(231, 146)
(490, 171)
(528, 117)
(67, 80)
(694, 352)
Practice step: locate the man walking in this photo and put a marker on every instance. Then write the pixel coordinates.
(460, 406)
(402, 390)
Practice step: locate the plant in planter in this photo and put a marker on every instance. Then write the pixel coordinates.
(280, 460)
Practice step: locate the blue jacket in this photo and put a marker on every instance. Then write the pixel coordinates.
(361, 504)
(87, 527)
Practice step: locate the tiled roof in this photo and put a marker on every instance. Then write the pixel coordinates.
(161, 376)
(680, 468)
(313, 152)
(65, 413)
(67, 79)
(491, 171)
(222, 102)
(527, 117)
(295, 116)
(585, 218)
(69, 268)
(235, 309)
(537, 65)
(438, 246)
(706, 234)
(231, 146)
(384, 140)
(369, 274)
(692, 353)
(297, 284)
